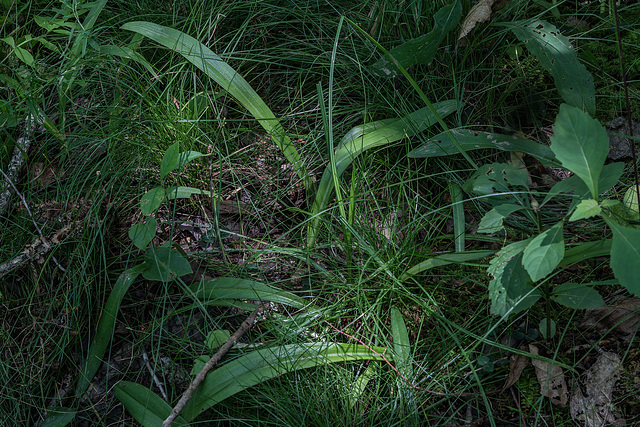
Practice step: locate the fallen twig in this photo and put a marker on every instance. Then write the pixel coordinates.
(244, 327)
(16, 162)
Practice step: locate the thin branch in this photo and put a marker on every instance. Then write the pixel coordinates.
(244, 327)
(145, 357)
(16, 162)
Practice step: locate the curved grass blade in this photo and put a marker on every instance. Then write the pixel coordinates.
(105, 327)
(444, 259)
(232, 82)
(144, 405)
(443, 145)
(388, 132)
(264, 364)
(231, 288)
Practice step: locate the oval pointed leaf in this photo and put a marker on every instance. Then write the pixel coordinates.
(152, 200)
(625, 255)
(581, 144)
(143, 233)
(577, 296)
(586, 209)
(169, 160)
(544, 253)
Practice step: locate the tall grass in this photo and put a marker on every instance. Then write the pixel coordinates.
(386, 214)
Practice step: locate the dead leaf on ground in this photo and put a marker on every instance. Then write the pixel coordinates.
(517, 363)
(481, 12)
(620, 318)
(551, 379)
(594, 409)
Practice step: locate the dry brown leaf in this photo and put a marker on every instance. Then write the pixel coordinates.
(594, 409)
(517, 363)
(481, 12)
(551, 379)
(621, 318)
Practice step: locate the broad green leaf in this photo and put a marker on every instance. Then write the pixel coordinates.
(164, 264)
(151, 200)
(231, 288)
(421, 50)
(401, 344)
(261, 365)
(443, 145)
(444, 259)
(492, 221)
(509, 289)
(105, 328)
(609, 177)
(144, 405)
(581, 144)
(388, 132)
(586, 209)
(625, 255)
(179, 192)
(186, 156)
(544, 253)
(560, 59)
(232, 82)
(577, 296)
(216, 338)
(143, 233)
(169, 160)
(59, 417)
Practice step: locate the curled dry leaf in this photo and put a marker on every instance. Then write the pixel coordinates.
(551, 379)
(481, 12)
(594, 409)
(620, 318)
(517, 363)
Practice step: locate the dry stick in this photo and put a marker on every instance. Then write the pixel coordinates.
(628, 104)
(16, 162)
(25, 255)
(246, 325)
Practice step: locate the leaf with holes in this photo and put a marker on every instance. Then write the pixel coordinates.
(560, 59)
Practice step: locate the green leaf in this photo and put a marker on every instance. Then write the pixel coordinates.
(559, 58)
(581, 144)
(421, 50)
(492, 221)
(445, 259)
(625, 255)
(169, 160)
(59, 417)
(164, 264)
(544, 253)
(187, 156)
(261, 365)
(232, 82)
(386, 132)
(216, 338)
(401, 344)
(509, 290)
(144, 405)
(178, 192)
(586, 209)
(630, 201)
(152, 200)
(143, 233)
(495, 178)
(443, 145)
(105, 328)
(586, 250)
(577, 296)
(128, 53)
(230, 288)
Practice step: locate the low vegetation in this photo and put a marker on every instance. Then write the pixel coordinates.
(292, 212)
